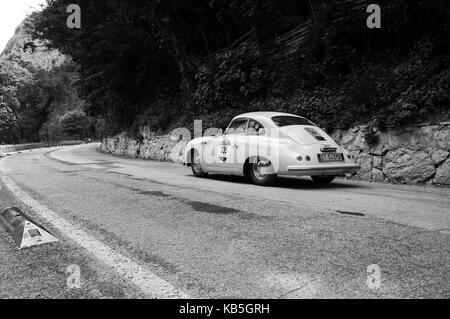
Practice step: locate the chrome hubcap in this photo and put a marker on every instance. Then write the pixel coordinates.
(257, 172)
(196, 163)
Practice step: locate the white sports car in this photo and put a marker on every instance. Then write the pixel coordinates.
(262, 145)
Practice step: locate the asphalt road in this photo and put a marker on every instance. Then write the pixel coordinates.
(222, 237)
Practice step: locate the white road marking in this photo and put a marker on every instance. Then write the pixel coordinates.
(148, 282)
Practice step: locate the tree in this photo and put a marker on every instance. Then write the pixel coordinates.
(75, 123)
(37, 86)
(204, 57)
(13, 78)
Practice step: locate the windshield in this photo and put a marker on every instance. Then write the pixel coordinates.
(286, 120)
(238, 126)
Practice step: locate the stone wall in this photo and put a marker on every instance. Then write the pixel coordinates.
(152, 147)
(410, 155)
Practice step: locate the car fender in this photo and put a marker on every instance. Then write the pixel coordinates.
(199, 144)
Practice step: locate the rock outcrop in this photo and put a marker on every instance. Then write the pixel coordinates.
(443, 174)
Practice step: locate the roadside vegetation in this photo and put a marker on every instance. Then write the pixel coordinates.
(39, 98)
(163, 64)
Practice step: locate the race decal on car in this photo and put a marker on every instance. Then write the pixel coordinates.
(224, 150)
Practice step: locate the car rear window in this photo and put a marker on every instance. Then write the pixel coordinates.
(290, 120)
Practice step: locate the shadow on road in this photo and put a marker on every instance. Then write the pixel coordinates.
(287, 182)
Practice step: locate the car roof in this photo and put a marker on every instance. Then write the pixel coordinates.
(264, 117)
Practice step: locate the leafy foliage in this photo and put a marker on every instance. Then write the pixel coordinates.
(230, 84)
(74, 123)
(37, 87)
(164, 63)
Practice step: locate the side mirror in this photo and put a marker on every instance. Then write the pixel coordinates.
(261, 131)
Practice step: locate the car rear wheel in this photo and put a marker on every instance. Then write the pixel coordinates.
(260, 178)
(322, 180)
(197, 165)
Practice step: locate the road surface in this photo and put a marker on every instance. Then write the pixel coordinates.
(222, 237)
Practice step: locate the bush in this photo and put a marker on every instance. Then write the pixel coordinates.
(75, 123)
(229, 82)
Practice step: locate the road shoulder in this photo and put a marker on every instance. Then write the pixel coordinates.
(44, 271)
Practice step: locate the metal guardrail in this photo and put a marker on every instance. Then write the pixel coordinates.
(29, 146)
(21, 147)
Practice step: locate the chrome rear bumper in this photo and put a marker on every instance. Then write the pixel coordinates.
(311, 170)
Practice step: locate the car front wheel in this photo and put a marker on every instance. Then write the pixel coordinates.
(259, 178)
(322, 180)
(197, 165)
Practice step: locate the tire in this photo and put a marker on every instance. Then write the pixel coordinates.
(196, 165)
(260, 179)
(323, 180)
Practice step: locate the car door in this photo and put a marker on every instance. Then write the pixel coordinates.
(249, 144)
(229, 145)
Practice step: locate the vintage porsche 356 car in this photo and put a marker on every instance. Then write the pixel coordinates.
(262, 145)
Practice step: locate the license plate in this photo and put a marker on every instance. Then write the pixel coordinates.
(331, 157)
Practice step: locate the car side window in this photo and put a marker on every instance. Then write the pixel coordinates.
(255, 128)
(238, 126)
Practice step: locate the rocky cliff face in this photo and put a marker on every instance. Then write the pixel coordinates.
(32, 51)
(411, 155)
